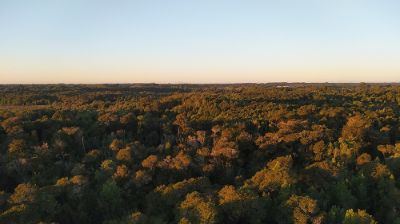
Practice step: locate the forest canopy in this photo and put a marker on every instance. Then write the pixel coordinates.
(240, 153)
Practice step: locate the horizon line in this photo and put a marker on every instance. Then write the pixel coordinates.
(196, 83)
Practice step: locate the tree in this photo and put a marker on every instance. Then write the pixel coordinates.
(110, 199)
(357, 130)
(358, 217)
(121, 172)
(23, 193)
(276, 175)
(150, 162)
(304, 209)
(225, 148)
(124, 155)
(116, 144)
(198, 209)
(238, 206)
(165, 197)
(18, 147)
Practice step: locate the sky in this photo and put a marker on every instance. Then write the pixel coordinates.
(199, 41)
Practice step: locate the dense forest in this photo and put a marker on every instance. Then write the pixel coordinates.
(240, 153)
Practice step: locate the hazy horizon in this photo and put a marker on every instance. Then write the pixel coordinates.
(199, 42)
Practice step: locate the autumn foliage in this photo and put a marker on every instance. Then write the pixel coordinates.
(245, 153)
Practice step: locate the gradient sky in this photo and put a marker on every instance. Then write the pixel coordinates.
(199, 41)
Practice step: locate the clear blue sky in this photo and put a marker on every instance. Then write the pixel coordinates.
(199, 41)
